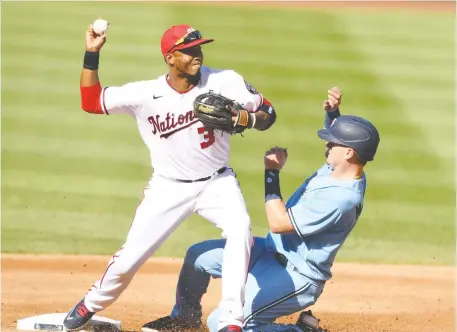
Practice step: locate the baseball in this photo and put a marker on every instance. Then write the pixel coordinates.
(100, 26)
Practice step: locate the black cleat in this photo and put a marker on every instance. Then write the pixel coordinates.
(307, 322)
(78, 317)
(169, 323)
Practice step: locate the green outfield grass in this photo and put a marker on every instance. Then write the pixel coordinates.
(71, 181)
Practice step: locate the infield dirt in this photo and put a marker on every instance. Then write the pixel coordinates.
(360, 298)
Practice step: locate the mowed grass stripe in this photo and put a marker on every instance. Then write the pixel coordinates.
(72, 165)
(434, 235)
(57, 231)
(101, 151)
(71, 220)
(29, 198)
(393, 210)
(312, 115)
(371, 249)
(427, 55)
(52, 129)
(73, 184)
(323, 63)
(73, 117)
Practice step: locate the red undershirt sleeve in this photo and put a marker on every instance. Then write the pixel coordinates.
(90, 98)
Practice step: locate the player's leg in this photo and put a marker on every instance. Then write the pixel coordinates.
(202, 261)
(222, 203)
(272, 291)
(164, 206)
(281, 291)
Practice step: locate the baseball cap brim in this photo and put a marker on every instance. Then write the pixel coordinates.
(328, 137)
(192, 44)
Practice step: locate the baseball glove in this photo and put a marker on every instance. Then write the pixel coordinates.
(216, 111)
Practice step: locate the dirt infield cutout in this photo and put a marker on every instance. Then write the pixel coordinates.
(360, 298)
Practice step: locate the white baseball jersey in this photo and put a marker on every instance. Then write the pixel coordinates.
(180, 146)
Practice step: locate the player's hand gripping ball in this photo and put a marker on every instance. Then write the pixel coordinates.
(100, 26)
(221, 113)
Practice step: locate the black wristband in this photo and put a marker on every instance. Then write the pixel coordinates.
(91, 60)
(334, 114)
(272, 188)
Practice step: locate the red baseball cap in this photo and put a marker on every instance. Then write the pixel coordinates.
(182, 36)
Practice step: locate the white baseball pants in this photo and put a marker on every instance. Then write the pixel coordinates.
(166, 204)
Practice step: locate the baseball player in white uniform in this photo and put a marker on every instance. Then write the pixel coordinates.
(190, 162)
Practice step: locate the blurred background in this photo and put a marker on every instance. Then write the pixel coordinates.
(71, 181)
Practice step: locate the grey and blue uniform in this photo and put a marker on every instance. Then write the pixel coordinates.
(288, 272)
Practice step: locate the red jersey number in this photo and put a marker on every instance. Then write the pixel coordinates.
(208, 135)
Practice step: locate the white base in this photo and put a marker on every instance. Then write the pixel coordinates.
(54, 322)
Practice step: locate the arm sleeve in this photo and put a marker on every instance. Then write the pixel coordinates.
(314, 213)
(120, 99)
(242, 92)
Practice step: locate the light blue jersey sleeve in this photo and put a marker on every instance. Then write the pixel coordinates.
(316, 211)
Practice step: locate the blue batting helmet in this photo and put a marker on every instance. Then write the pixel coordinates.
(354, 132)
